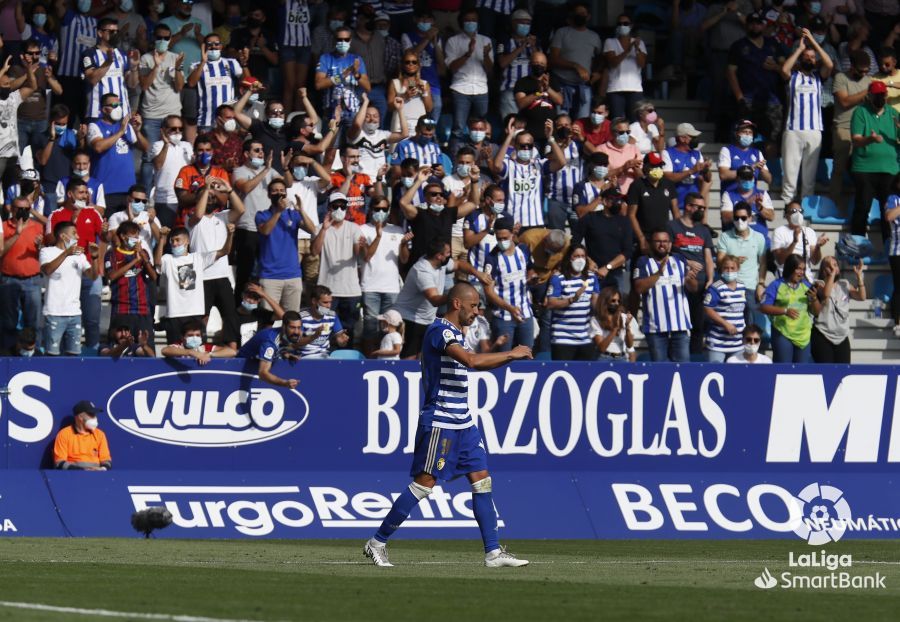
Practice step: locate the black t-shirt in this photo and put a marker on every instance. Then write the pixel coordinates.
(690, 242)
(654, 204)
(541, 109)
(605, 237)
(242, 38)
(271, 139)
(429, 225)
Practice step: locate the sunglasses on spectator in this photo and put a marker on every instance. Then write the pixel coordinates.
(115, 105)
(435, 194)
(338, 205)
(622, 132)
(344, 39)
(277, 113)
(697, 205)
(742, 218)
(110, 30)
(410, 62)
(174, 127)
(381, 208)
(163, 37)
(752, 340)
(214, 44)
(794, 211)
(525, 146)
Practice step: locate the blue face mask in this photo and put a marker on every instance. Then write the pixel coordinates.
(600, 172)
(384, 33)
(622, 139)
(179, 251)
(84, 6)
(299, 172)
(257, 162)
(39, 19)
(729, 277)
(192, 342)
(523, 155)
(131, 242)
(80, 173)
(477, 135)
(522, 30)
(249, 306)
(162, 46)
(213, 55)
(203, 159)
(60, 129)
(423, 26)
(342, 47)
(470, 28)
(815, 8)
(138, 206)
(408, 181)
(746, 141)
(462, 170)
(746, 185)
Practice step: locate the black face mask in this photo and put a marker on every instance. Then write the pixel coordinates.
(563, 133)
(26, 187)
(579, 20)
(878, 101)
(698, 215)
(807, 65)
(612, 308)
(23, 213)
(4, 92)
(446, 261)
(614, 210)
(275, 198)
(114, 39)
(537, 70)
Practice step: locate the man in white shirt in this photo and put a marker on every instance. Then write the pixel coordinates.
(169, 155)
(470, 60)
(136, 210)
(64, 265)
(750, 354)
(303, 190)
(184, 272)
(795, 238)
(218, 206)
(374, 143)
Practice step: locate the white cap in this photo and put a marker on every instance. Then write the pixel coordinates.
(686, 129)
(336, 196)
(520, 14)
(392, 317)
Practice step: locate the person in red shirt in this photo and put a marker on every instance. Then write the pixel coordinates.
(354, 185)
(594, 128)
(193, 177)
(91, 229)
(20, 283)
(227, 139)
(130, 272)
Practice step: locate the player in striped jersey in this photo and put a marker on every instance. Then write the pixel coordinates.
(78, 33)
(107, 70)
(802, 139)
(510, 267)
(448, 443)
(513, 57)
(294, 49)
(523, 172)
(478, 232)
(660, 279)
(572, 296)
(562, 182)
(724, 305)
(214, 78)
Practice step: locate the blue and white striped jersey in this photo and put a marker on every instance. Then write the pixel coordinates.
(510, 274)
(112, 82)
(563, 181)
(499, 6)
(294, 20)
(570, 325)
(444, 381)
(804, 99)
(524, 188)
(728, 303)
(427, 154)
(586, 192)
(665, 306)
(893, 243)
(519, 67)
(77, 35)
(216, 87)
(477, 255)
(319, 347)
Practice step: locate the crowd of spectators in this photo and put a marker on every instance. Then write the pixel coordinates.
(332, 167)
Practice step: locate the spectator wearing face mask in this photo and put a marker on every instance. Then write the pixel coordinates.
(830, 341)
(305, 180)
(724, 303)
(81, 170)
(509, 265)
(751, 341)
(32, 114)
(355, 185)
(537, 95)
(463, 184)
(130, 271)
(625, 159)
(685, 166)
(596, 127)
(478, 232)
(421, 147)
(271, 345)
(562, 183)
(144, 217)
(29, 187)
(874, 132)
(612, 328)
(193, 178)
(78, 29)
(161, 81)
(588, 191)
(756, 198)
(107, 70)
(12, 94)
(259, 44)
(649, 129)
(193, 345)
(121, 343)
(626, 56)
(409, 96)
(889, 73)
(374, 143)
(470, 61)
(573, 49)
(25, 345)
(791, 301)
(803, 132)
(322, 328)
(572, 296)
(169, 156)
(227, 139)
(82, 446)
(342, 76)
(54, 151)
(422, 46)
(742, 153)
(21, 280)
(608, 237)
(213, 76)
(652, 201)
(188, 34)
(514, 55)
(252, 315)
(794, 238)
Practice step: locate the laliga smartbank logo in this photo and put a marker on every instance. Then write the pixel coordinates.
(819, 570)
(191, 408)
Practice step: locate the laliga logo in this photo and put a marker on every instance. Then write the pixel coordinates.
(824, 514)
(206, 408)
(765, 581)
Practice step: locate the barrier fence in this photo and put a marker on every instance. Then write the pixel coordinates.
(588, 450)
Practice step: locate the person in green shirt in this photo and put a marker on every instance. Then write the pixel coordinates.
(873, 130)
(791, 301)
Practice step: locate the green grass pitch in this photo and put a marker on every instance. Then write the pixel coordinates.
(432, 580)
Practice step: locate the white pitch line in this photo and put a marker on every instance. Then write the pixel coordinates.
(106, 613)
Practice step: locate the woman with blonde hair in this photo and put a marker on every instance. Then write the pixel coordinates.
(413, 90)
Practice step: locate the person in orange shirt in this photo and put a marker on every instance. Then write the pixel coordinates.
(356, 186)
(20, 271)
(194, 177)
(81, 446)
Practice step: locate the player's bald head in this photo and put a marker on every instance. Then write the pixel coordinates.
(463, 292)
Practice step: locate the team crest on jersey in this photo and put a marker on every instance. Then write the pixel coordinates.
(440, 463)
(448, 336)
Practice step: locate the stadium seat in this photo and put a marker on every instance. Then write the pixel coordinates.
(823, 173)
(347, 355)
(876, 259)
(822, 210)
(874, 210)
(884, 287)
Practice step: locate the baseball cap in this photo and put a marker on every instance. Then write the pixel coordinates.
(381, 16)
(426, 120)
(248, 81)
(29, 174)
(877, 88)
(686, 129)
(744, 123)
(334, 197)
(612, 193)
(745, 171)
(504, 223)
(85, 406)
(392, 317)
(653, 159)
(520, 14)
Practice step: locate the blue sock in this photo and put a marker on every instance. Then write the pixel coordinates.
(399, 513)
(483, 507)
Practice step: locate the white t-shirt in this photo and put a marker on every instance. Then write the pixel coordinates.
(471, 78)
(143, 220)
(627, 76)
(381, 273)
(617, 345)
(783, 236)
(184, 283)
(177, 157)
(761, 359)
(455, 186)
(389, 341)
(338, 261)
(644, 139)
(9, 129)
(63, 295)
(209, 236)
(479, 331)
(373, 151)
(304, 194)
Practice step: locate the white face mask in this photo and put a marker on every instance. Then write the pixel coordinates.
(230, 125)
(91, 424)
(504, 244)
(192, 342)
(797, 219)
(80, 204)
(751, 348)
(578, 264)
(323, 310)
(408, 181)
(370, 128)
(175, 138)
(116, 113)
(741, 225)
(498, 208)
(437, 208)
(338, 214)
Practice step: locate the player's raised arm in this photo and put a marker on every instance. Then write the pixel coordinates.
(487, 360)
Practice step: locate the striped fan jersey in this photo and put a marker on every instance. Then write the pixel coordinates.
(570, 324)
(498, 6)
(665, 306)
(563, 181)
(728, 303)
(518, 68)
(524, 188)
(444, 380)
(893, 243)
(319, 347)
(804, 96)
(77, 35)
(428, 154)
(294, 19)
(477, 222)
(112, 82)
(216, 87)
(510, 273)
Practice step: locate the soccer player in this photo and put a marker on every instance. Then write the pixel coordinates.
(448, 444)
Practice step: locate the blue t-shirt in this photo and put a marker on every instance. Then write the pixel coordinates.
(114, 168)
(444, 380)
(278, 251)
(347, 92)
(265, 345)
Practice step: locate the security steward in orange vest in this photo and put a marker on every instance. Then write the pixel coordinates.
(81, 446)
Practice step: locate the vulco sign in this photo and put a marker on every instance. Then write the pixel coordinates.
(202, 415)
(259, 510)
